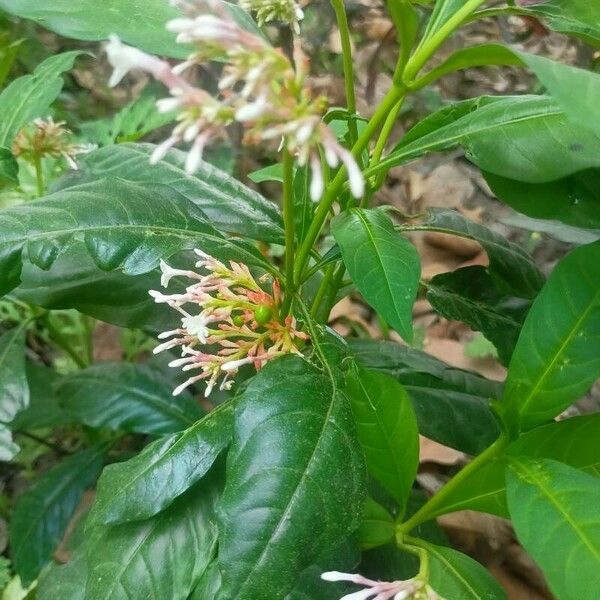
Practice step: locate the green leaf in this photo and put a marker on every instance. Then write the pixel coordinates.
(457, 576)
(443, 10)
(127, 397)
(577, 17)
(295, 480)
(140, 23)
(162, 557)
(574, 441)
(383, 264)
(559, 231)
(556, 358)
(452, 405)
(14, 391)
(512, 269)
(554, 509)
(148, 483)
(574, 200)
(377, 527)
(8, 449)
(30, 96)
(64, 581)
(387, 430)
(227, 203)
(124, 226)
(9, 169)
(270, 173)
(471, 296)
(526, 138)
(560, 80)
(42, 513)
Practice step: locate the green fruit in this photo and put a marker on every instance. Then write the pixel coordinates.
(263, 314)
(238, 320)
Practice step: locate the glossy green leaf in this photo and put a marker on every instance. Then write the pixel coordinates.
(560, 80)
(295, 479)
(14, 391)
(127, 397)
(577, 17)
(471, 296)
(457, 576)
(124, 226)
(574, 441)
(387, 430)
(554, 509)
(513, 270)
(30, 96)
(64, 581)
(227, 203)
(149, 482)
(556, 358)
(526, 138)
(452, 405)
(382, 263)
(140, 23)
(42, 513)
(162, 557)
(377, 527)
(574, 200)
(576, 236)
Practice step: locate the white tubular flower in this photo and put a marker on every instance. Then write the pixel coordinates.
(414, 589)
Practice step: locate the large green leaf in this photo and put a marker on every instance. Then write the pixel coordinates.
(42, 513)
(387, 430)
(513, 270)
(452, 405)
(574, 200)
(30, 96)
(526, 138)
(556, 358)
(14, 390)
(471, 296)
(574, 441)
(149, 482)
(457, 576)
(228, 204)
(554, 509)
(577, 17)
(138, 22)
(382, 263)
(162, 557)
(124, 226)
(127, 397)
(295, 479)
(560, 80)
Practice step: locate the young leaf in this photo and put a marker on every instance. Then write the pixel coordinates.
(574, 200)
(377, 526)
(128, 397)
(452, 405)
(574, 441)
(556, 358)
(44, 511)
(387, 430)
(148, 483)
(384, 265)
(457, 576)
(228, 204)
(512, 269)
(124, 226)
(499, 132)
(162, 557)
(14, 390)
(554, 509)
(295, 480)
(30, 96)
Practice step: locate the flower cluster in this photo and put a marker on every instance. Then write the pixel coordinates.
(410, 589)
(48, 138)
(286, 11)
(237, 322)
(259, 87)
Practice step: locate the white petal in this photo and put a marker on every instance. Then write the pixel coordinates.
(316, 180)
(355, 176)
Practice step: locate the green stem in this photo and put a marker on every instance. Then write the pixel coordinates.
(342, 22)
(331, 193)
(325, 283)
(418, 547)
(39, 175)
(338, 278)
(289, 225)
(428, 46)
(429, 509)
